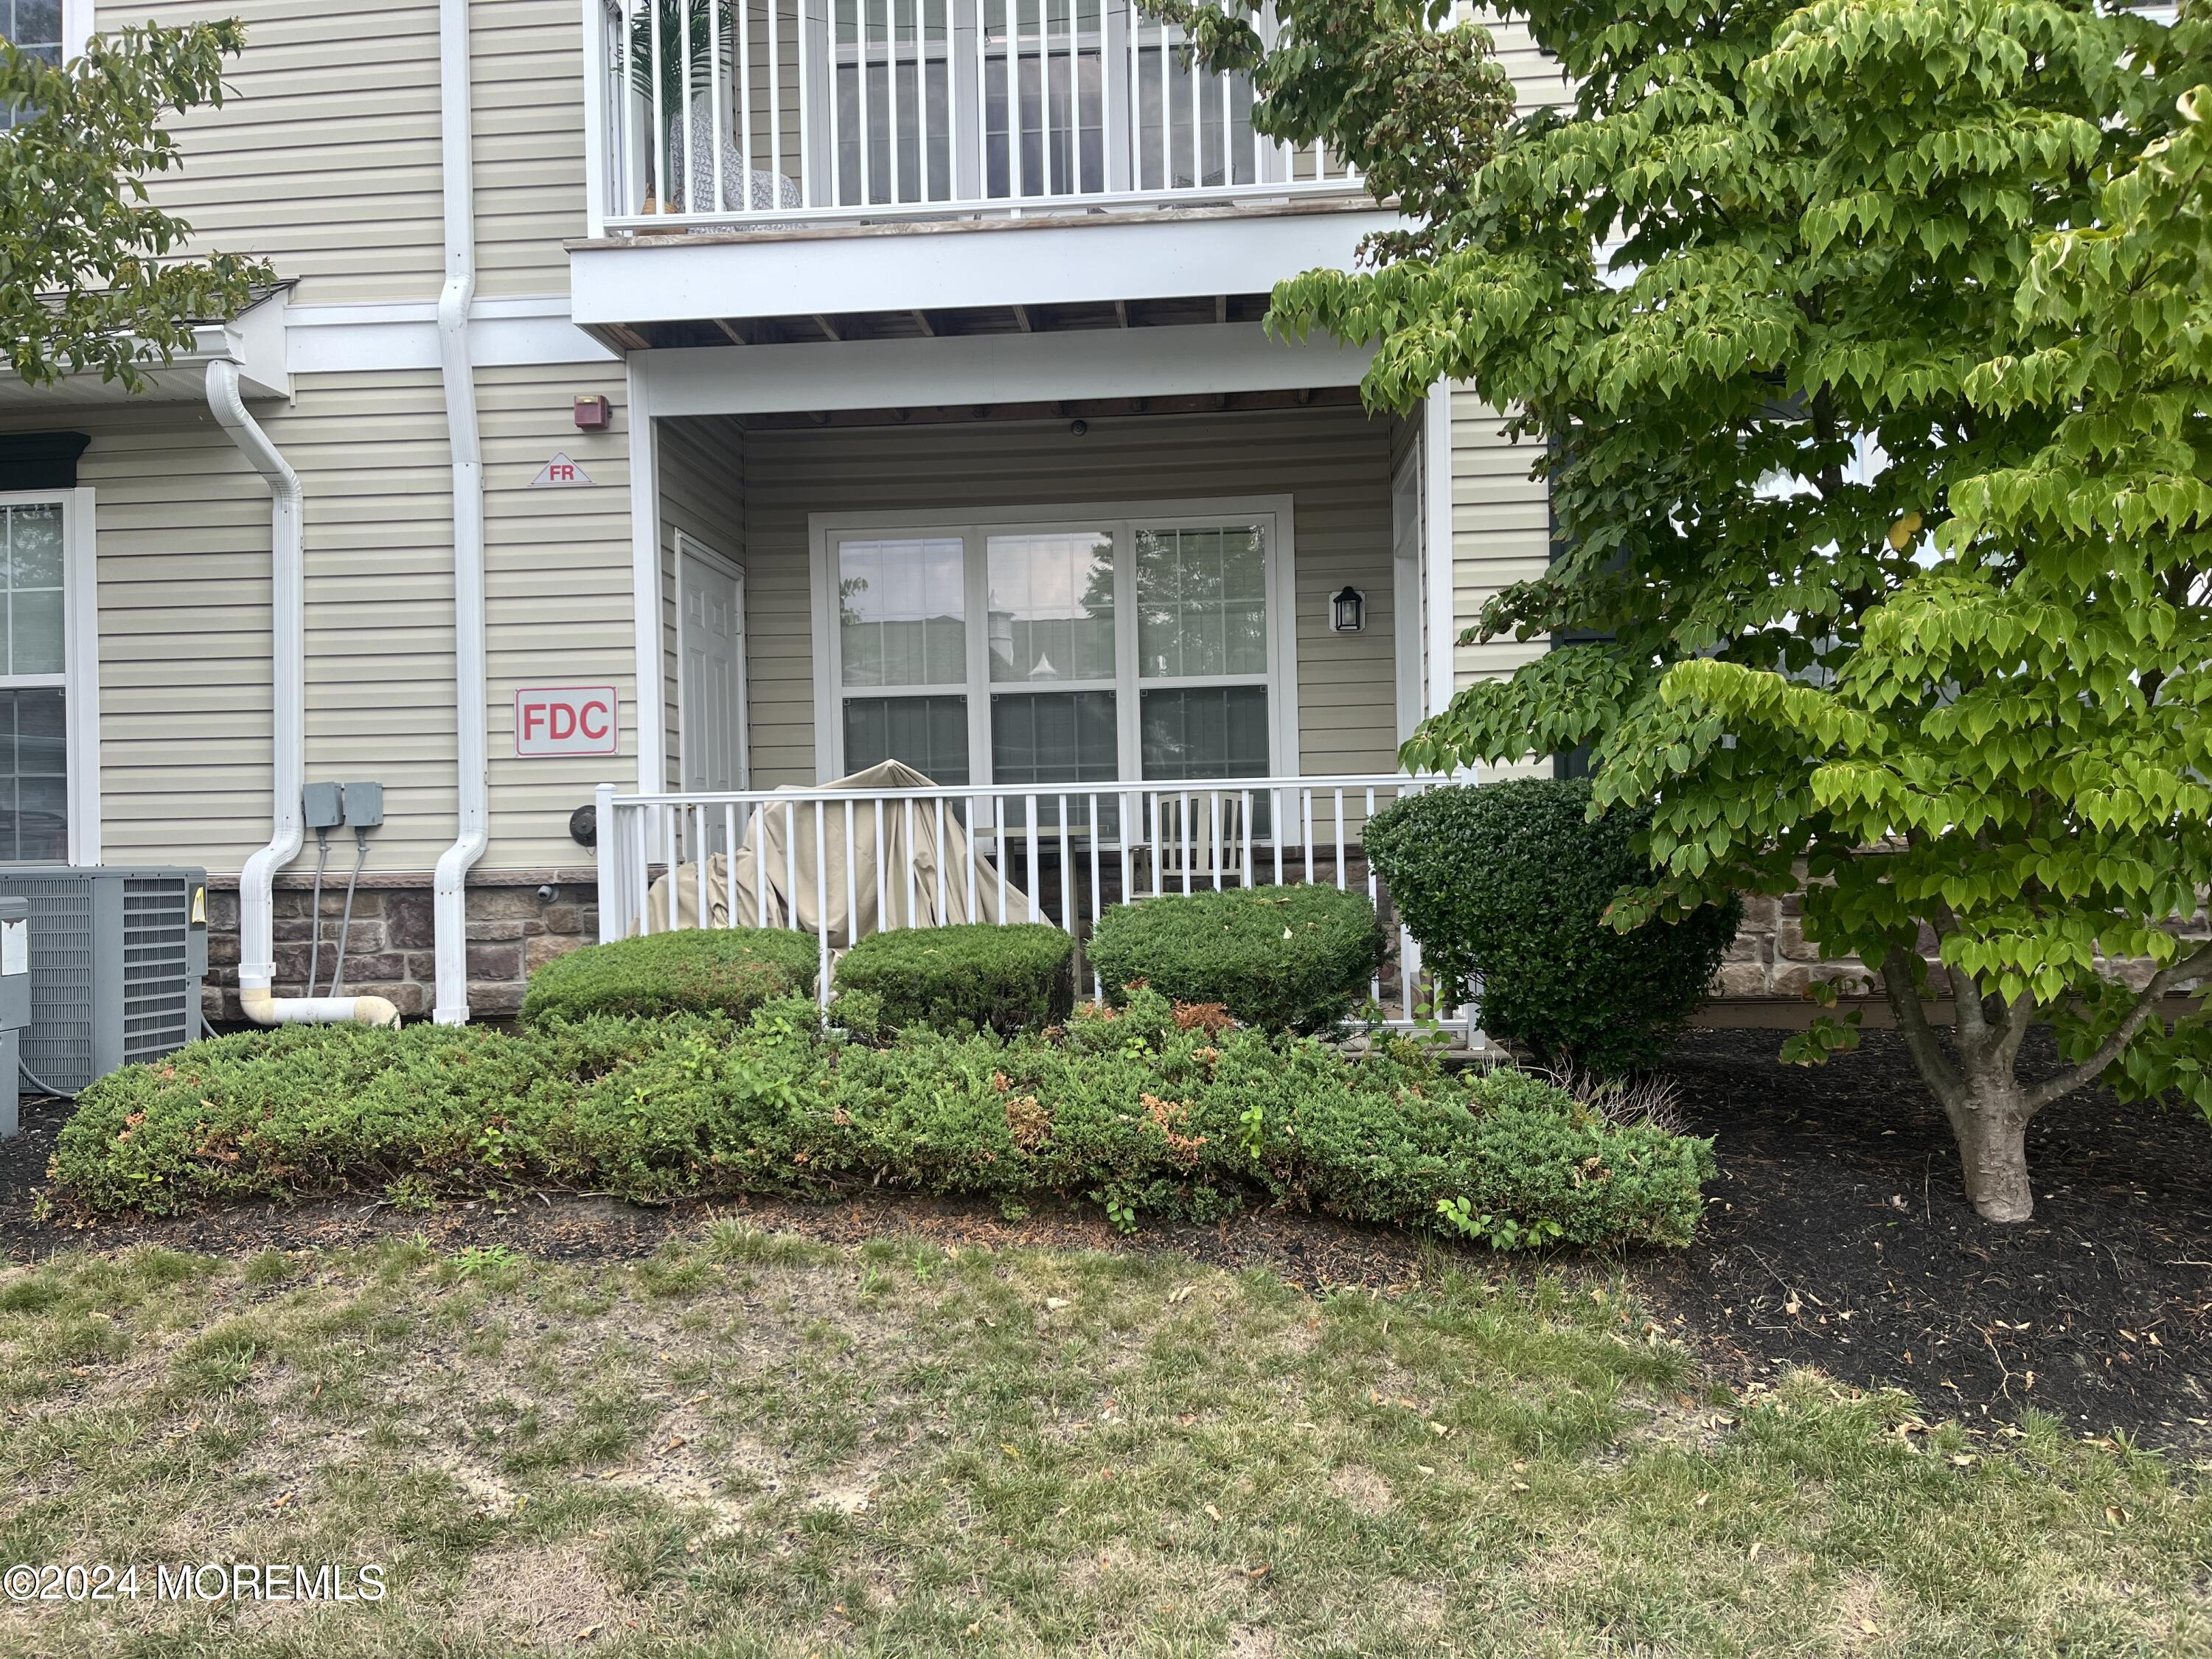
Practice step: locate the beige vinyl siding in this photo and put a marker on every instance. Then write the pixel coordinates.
(702, 464)
(183, 580)
(1501, 532)
(1335, 463)
(325, 156)
(557, 595)
(1538, 80)
(376, 479)
(183, 569)
(527, 73)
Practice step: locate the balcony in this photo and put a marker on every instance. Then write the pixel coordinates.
(777, 113)
(768, 154)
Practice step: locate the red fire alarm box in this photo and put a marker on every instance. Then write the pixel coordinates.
(593, 413)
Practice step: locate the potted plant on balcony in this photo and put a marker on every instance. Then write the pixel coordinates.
(669, 80)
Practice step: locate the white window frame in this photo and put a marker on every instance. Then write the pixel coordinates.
(79, 679)
(825, 531)
(76, 27)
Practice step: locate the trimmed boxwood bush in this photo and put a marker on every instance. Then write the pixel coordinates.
(1507, 883)
(692, 970)
(1125, 1107)
(969, 977)
(1292, 958)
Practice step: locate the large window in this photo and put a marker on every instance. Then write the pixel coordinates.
(34, 794)
(1090, 647)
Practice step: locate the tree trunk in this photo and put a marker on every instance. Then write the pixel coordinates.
(1992, 1128)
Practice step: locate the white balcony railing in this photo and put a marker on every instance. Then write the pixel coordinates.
(727, 114)
(808, 859)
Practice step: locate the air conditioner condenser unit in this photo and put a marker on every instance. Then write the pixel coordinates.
(118, 955)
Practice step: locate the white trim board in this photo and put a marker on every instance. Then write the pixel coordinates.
(995, 369)
(1121, 517)
(521, 332)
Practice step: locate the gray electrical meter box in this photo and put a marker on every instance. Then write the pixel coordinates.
(15, 1004)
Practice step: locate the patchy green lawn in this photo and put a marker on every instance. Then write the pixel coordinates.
(750, 1445)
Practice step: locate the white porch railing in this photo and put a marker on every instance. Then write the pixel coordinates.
(780, 110)
(1066, 850)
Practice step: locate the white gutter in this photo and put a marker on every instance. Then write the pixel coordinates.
(472, 738)
(256, 967)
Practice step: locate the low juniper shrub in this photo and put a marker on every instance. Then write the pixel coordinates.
(969, 977)
(691, 970)
(1133, 1107)
(1291, 958)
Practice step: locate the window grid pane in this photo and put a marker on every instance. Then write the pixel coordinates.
(30, 588)
(1201, 602)
(903, 611)
(1205, 732)
(1051, 607)
(1062, 736)
(35, 27)
(33, 777)
(930, 735)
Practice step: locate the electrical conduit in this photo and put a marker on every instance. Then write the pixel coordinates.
(472, 735)
(257, 967)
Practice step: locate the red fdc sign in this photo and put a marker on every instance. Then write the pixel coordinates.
(567, 719)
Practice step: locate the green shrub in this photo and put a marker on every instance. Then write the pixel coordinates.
(1295, 958)
(693, 970)
(970, 977)
(1124, 1107)
(1507, 885)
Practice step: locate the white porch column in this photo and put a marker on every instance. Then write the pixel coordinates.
(1436, 541)
(645, 583)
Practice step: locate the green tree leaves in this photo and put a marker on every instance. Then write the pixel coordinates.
(1868, 348)
(93, 277)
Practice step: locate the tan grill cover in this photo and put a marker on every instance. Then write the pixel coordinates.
(792, 887)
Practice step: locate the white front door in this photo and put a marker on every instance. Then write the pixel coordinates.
(711, 593)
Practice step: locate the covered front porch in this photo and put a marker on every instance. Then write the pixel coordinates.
(1129, 645)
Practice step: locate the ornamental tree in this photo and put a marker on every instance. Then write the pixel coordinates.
(1865, 346)
(92, 278)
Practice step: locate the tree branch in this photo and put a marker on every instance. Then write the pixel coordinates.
(2165, 980)
(1899, 983)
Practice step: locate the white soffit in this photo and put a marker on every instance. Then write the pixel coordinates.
(994, 369)
(949, 266)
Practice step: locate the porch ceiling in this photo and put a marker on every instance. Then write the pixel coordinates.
(915, 323)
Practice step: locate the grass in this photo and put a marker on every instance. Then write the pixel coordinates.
(753, 1445)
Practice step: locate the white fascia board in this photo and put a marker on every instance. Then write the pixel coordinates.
(520, 331)
(653, 279)
(254, 340)
(994, 369)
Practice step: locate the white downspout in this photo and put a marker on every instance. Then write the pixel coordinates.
(473, 739)
(256, 966)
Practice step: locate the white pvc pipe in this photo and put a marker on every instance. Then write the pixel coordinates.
(472, 737)
(256, 967)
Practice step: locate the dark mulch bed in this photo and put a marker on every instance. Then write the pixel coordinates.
(1839, 1236)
